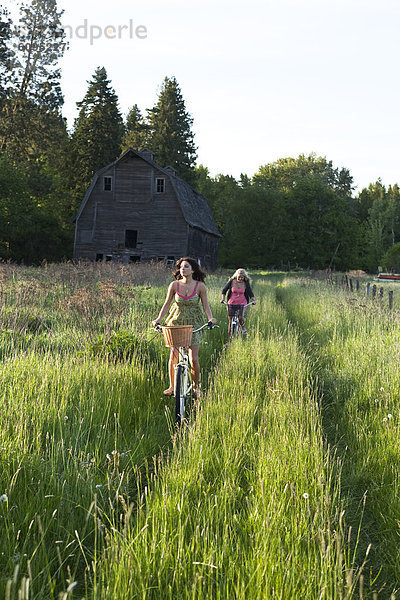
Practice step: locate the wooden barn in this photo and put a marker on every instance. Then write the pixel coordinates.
(135, 210)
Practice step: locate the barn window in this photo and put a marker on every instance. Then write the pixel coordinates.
(160, 185)
(130, 238)
(134, 258)
(99, 257)
(107, 181)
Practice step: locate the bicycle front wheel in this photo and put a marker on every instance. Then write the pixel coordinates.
(182, 387)
(234, 328)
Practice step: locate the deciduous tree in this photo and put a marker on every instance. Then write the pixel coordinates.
(6, 52)
(31, 110)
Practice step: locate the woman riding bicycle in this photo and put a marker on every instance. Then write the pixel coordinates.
(187, 290)
(238, 293)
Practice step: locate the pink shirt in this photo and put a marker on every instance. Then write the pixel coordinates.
(237, 296)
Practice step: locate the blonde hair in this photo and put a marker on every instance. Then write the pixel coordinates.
(241, 272)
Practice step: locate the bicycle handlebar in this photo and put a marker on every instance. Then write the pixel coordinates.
(242, 305)
(210, 325)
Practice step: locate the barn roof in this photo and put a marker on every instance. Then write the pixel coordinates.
(195, 208)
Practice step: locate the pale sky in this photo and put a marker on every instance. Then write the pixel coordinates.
(263, 79)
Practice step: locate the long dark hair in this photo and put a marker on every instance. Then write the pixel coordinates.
(198, 273)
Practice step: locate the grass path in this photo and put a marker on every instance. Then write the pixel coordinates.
(354, 352)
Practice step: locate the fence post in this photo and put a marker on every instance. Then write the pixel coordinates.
(390, 299)
(351, 284)
(357, 285)
(368, 288)
(374, 291)
(380, 293)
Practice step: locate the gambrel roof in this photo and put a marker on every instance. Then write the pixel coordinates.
(195, 208)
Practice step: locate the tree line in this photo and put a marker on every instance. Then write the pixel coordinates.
(293, 212)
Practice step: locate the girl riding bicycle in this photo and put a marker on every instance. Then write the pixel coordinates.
(187, 290)
(239, 293)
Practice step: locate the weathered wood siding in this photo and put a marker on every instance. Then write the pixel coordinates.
(204, 246)
(160, 218)
(134, 204)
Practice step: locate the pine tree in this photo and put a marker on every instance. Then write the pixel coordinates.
(136, 130)
(31, 110)
(170, 131)
(98, 131)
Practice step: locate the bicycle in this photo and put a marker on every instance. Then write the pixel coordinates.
(183, 387)
(236, 328)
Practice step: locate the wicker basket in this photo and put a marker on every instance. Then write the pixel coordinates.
(176, 336)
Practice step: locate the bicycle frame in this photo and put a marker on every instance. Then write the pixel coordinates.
(183, 377)
(235, 326)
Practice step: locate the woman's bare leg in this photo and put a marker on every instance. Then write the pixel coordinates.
(173, 359)
(241, 318)
(195, 366)
(229, 327)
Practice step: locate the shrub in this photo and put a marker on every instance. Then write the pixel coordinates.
(391, 260)
(123, 345)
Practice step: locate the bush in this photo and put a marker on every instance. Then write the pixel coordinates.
(391, 260)
(123, 345)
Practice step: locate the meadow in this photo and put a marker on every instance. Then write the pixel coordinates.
(284, 483)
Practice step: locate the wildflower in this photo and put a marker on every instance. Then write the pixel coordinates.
(384, 419)
(4, 498)
(98, 486)
(305, 495)
(390, 416)
(66, 418)
(376, 400)
(114, 452)
(382, 389)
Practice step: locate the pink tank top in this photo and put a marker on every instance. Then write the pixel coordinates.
(237, 296)
(187, 297)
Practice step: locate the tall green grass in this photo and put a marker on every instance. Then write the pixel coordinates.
(283, 484)
(83, 415)
(353, 344)
(248, 504)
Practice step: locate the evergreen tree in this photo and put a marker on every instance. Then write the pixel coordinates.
(98, 131)
(170, 131)
(34, 99)
(136, 130)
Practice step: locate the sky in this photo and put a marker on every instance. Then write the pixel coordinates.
(262, 79)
